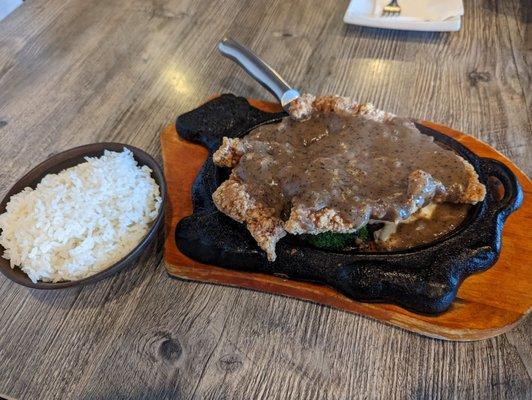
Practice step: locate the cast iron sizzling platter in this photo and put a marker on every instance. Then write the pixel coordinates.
(423, 279)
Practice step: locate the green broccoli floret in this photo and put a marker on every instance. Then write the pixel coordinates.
(335, 241)
(363, 234)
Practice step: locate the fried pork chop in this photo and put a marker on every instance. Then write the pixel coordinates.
(333, 165)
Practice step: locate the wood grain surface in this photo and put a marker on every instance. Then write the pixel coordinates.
(487, 304)
(76, 71)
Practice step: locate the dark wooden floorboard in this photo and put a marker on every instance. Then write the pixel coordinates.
(75, 72)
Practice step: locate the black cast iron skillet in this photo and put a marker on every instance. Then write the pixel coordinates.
(423, 279)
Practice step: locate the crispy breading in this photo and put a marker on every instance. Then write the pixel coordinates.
(268, 226)
(474, 192)
(229, 152)
(233, 199)
(303, 107)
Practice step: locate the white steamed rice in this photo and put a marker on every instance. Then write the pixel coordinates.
(81, 220)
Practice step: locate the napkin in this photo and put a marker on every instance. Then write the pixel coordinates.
(424, 10)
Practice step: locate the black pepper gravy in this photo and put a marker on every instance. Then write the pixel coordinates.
(359, 167)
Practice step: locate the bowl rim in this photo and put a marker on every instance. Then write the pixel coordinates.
(37, 173)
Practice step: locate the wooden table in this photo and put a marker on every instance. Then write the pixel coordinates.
(76, 71)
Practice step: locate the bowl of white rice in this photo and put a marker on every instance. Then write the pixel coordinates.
(81, 216)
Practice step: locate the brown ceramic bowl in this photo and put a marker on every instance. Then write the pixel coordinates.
(69, 159)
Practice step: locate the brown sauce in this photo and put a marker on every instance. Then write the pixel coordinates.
(445, 218)
(359, 167)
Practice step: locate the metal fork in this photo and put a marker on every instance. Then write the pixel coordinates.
(392, 9)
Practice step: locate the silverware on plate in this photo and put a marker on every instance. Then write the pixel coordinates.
(392, 9)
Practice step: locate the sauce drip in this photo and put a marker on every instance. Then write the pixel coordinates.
(445, 218)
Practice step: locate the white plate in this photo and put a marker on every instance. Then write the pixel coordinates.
(360, 12)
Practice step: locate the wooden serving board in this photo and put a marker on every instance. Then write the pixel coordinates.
(487, 304)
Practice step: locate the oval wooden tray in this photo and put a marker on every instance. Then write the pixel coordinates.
(487, 304)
